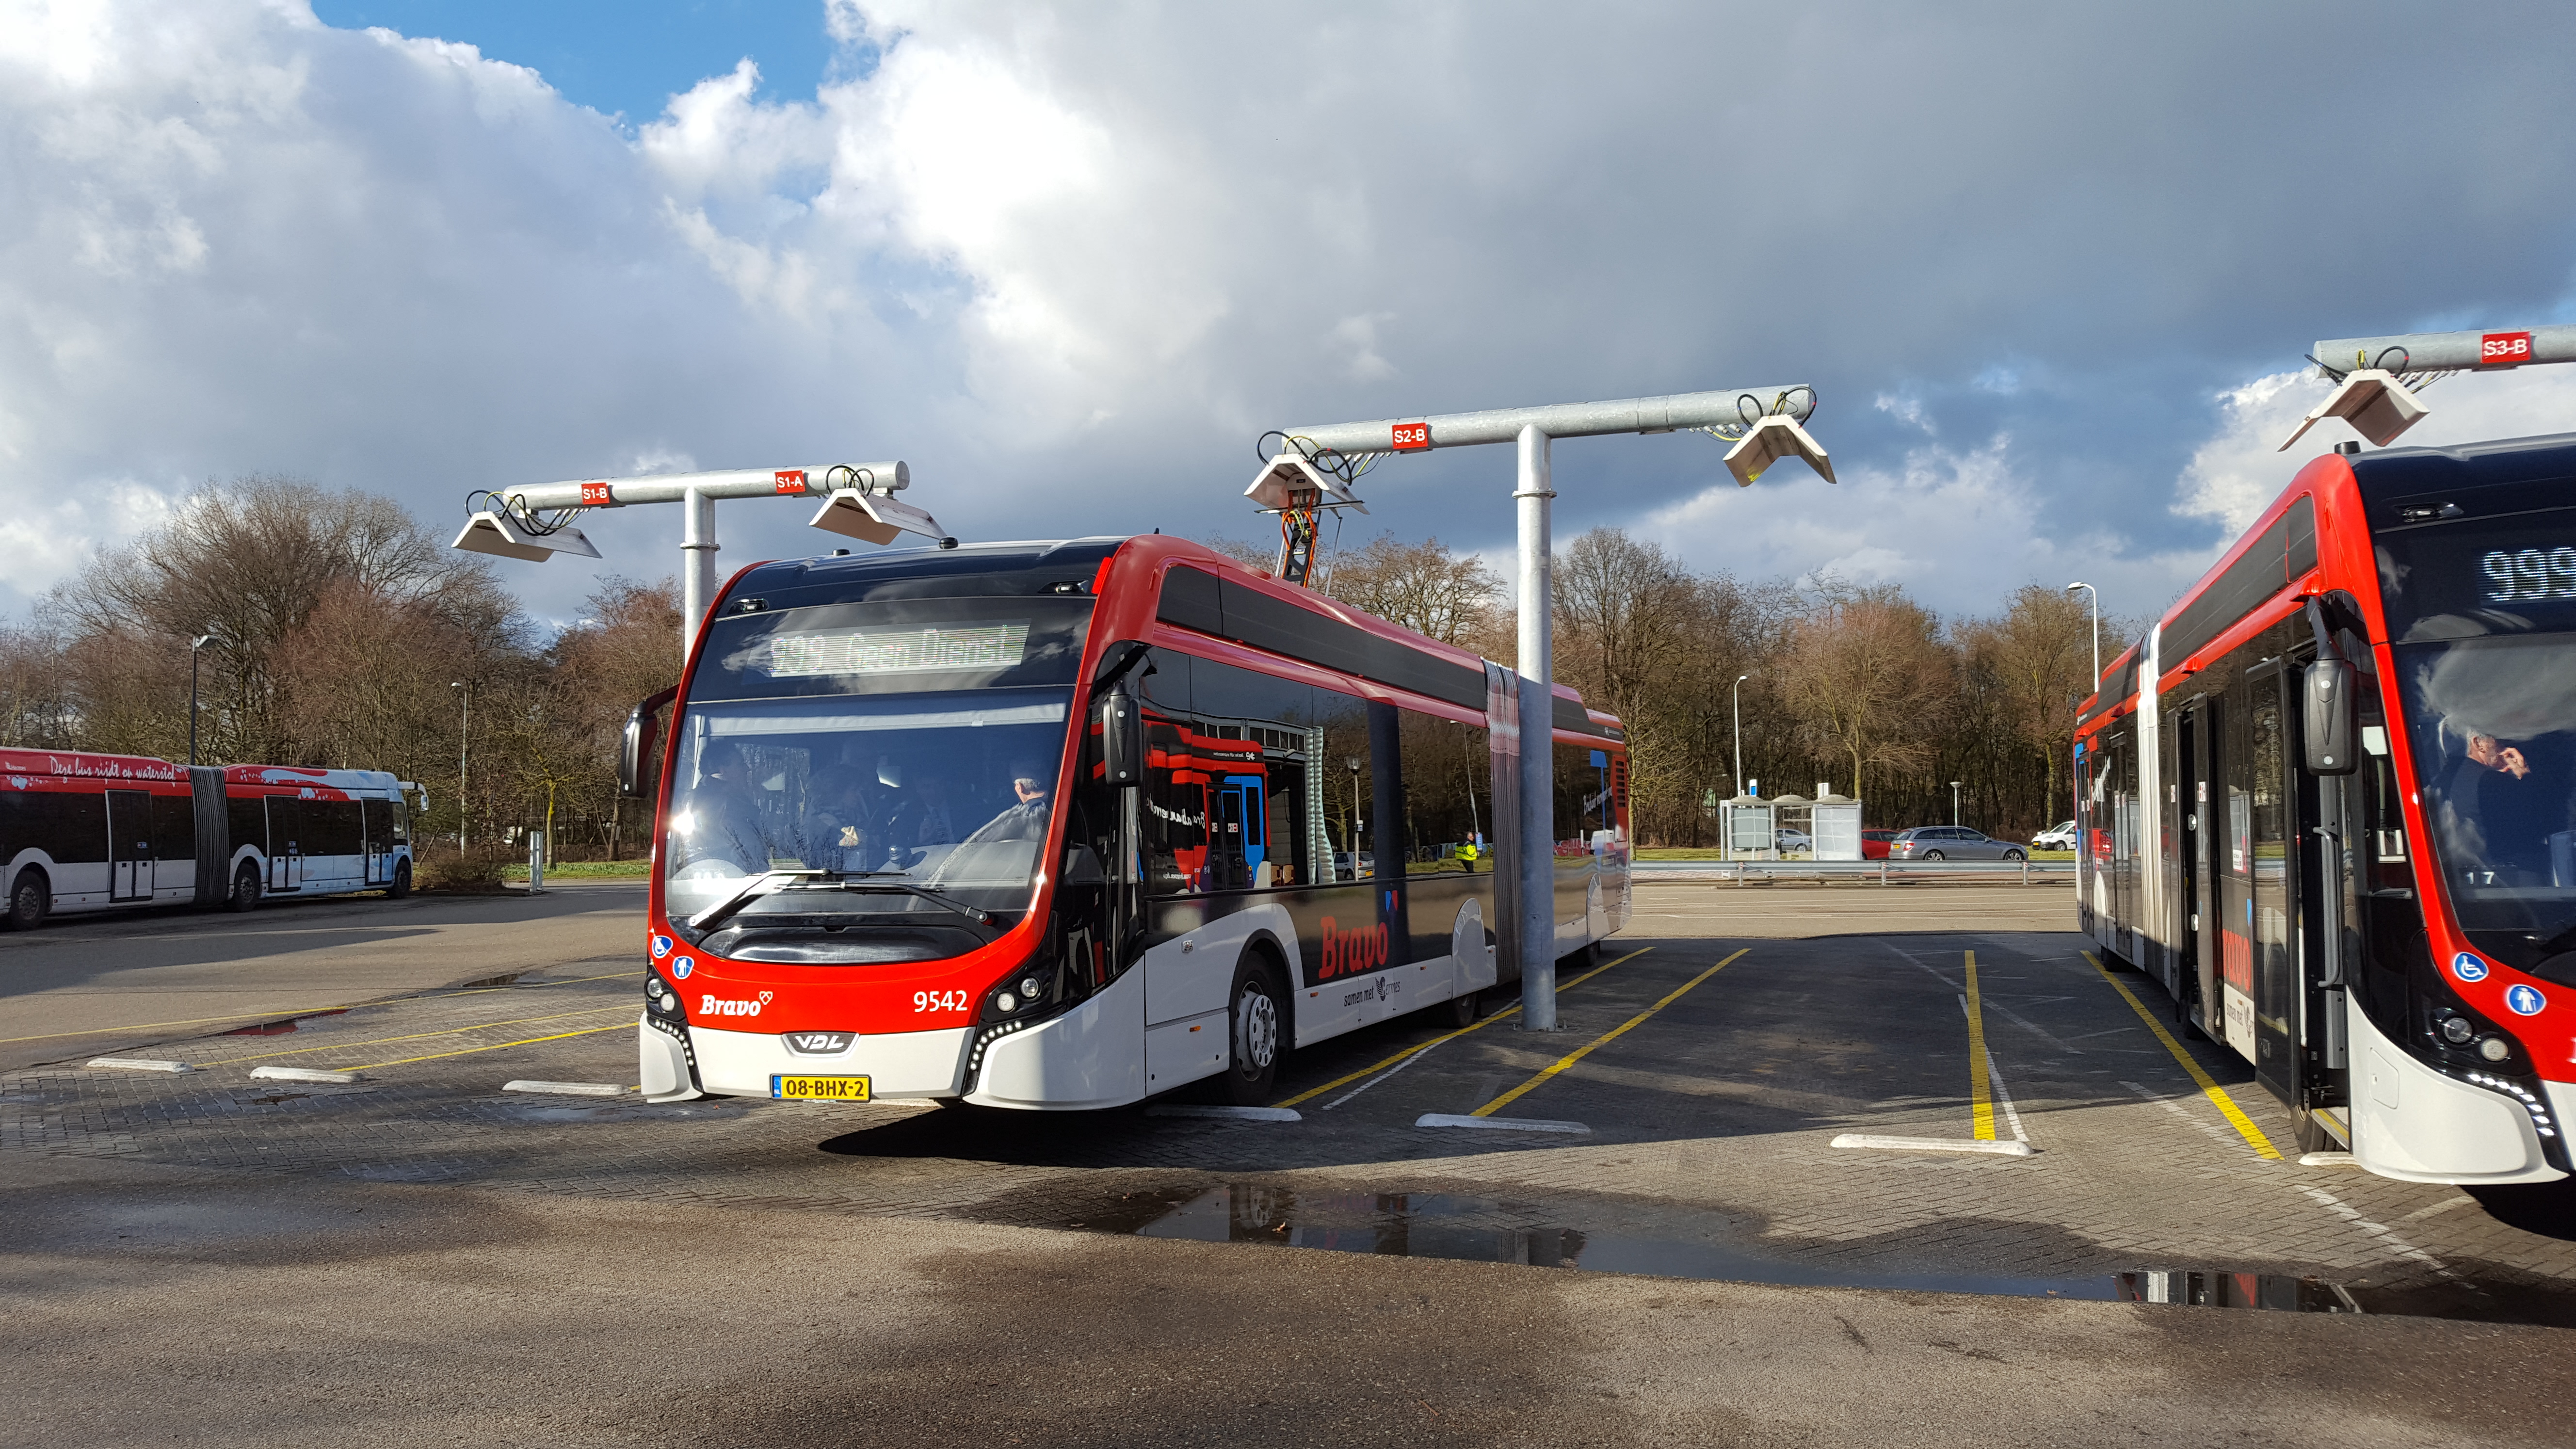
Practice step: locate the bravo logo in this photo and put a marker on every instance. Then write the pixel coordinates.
(1347, 953)
(715, 1006)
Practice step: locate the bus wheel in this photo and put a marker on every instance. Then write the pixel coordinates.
(29, 899)
(402, 881)
(1461, 1010)
(1254, 1024)
(245, 888)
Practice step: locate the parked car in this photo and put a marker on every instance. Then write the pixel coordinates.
(1785, 840)
(1342, 864)
(1873, 844)
(2055, 837)
(1951, 842)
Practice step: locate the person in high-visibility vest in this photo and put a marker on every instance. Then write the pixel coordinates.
(1467, 855)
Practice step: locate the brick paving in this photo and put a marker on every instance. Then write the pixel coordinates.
(1709, 1151)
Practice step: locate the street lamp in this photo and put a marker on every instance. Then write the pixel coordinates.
(1352, 762)
(1954, 802)
(1738, 692)
(464, 723)
(194, 647)
(2096, 596)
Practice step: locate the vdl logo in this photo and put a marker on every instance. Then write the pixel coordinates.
(2468, 967)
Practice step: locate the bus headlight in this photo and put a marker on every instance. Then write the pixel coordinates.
(2457, 1030)
(2495, 1048)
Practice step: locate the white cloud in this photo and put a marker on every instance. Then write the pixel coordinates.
(1959, 529)
(1053, 261)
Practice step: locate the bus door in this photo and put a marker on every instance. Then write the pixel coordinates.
(129, 845)
(374, 834)
(1243, 832)
(2196, 956)
(2278, 986)
(285, 847)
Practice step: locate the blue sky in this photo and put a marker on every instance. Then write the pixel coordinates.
(2050, 268)
(624, 59)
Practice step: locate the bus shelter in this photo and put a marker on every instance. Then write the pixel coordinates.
(1794, 812)
(1836, 825)
(1745, 824)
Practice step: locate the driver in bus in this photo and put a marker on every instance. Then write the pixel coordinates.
(720, 821)
(836, 825)
(1026, 818)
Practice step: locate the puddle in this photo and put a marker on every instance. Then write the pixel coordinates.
(274, 1098)
(1489, 1230)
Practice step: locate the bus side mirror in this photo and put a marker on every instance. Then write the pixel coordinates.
(636, 745)
(1122, 740)
(2328, 719)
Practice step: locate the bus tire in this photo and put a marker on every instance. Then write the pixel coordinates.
(402, 881)
(245, 892)
(31, 897)
(1256, 1032)
(1462, 1009)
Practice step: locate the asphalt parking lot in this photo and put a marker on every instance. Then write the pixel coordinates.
(1665, 1243)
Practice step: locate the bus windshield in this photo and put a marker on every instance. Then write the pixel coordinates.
(2486, 664)
(794, 820)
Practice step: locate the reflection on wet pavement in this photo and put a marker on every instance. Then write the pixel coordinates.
(1490, 1230)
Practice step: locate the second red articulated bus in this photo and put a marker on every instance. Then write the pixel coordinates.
(88, 832)
(2330, 803)
(1070, 825)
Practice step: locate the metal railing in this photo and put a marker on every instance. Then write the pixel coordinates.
(1879, 872)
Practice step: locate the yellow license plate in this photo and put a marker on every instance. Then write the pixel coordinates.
(820, 1089)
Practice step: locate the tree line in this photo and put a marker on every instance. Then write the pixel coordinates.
(329, 628)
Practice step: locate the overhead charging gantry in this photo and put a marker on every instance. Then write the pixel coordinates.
(2378, 379)
(1313, 472)
(535, 522)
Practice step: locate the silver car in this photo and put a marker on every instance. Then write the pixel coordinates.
(1951, 842)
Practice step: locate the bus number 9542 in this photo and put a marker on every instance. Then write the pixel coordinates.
(939, 1001)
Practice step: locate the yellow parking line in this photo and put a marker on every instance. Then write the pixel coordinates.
(2217, 1095)
(494, 1047)
(1613, 1034)
(1982, 1112)
(1315, 1092)
(342, 1046)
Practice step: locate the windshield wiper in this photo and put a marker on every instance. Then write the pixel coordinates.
(745, 896)
(927, 893)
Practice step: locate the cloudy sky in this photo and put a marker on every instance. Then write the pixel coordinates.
(2051, 268)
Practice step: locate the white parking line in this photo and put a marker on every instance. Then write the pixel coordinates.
(140, 1064)
(1225, 1113)
(1499, 1124)
(1934, 1144)
(567, 1089)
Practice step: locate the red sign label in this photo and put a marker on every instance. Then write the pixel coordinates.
(2504, 349)
(1412, 437)
(790, 480)
(594, 495)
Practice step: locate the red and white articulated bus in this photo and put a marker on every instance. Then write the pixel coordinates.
(1068, 825)
(2330, 802)
(84, 832)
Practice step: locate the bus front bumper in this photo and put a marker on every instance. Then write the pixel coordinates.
(743, 1063)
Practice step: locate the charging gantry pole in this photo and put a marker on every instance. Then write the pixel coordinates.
(1764, 426)
(535, 523)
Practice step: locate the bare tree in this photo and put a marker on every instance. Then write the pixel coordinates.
(1422, 586)
(1868, 671)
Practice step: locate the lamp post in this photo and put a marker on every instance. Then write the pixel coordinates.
(1352, 763)
(464, 724)
(194, 647)
(2096, 596)
(1954, 802)
(1738, 692)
